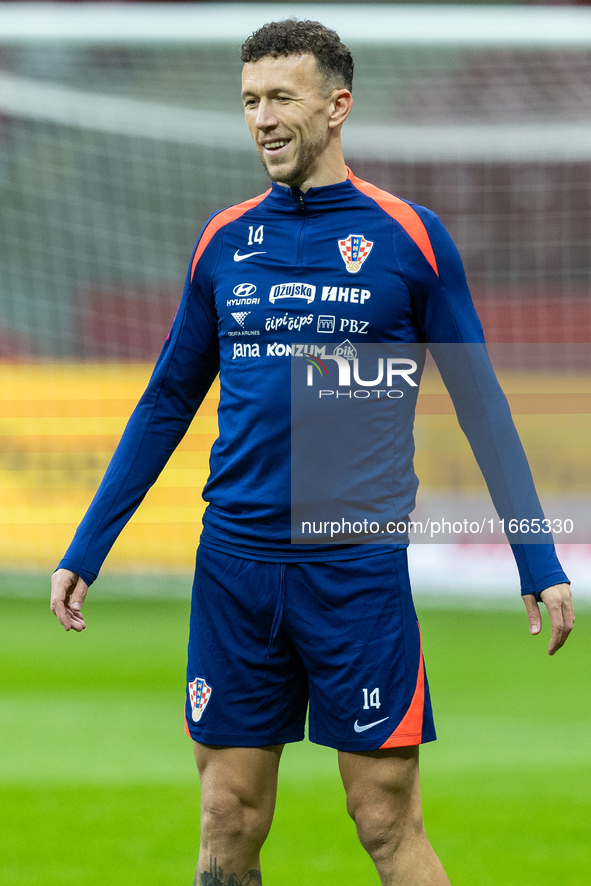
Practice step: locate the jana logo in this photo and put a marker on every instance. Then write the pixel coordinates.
(244, 289)
(292, 290)
(199, 693)
(354, 250)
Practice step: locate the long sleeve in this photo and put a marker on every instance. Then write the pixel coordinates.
(452, 330)
(185, 370)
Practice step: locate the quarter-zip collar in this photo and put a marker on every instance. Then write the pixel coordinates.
(321, 199)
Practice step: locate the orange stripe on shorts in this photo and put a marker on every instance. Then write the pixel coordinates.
(410, 729)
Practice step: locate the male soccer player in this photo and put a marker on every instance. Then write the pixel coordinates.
(275, 626)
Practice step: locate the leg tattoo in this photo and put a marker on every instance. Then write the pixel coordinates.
(215, 877)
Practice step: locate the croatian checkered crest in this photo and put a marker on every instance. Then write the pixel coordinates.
(354, 250)
(199, 693)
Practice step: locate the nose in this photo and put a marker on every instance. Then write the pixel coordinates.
(266, 117)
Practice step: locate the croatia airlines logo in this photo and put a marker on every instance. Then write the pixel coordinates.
(354, 250)
(240, 317)
(199, 693)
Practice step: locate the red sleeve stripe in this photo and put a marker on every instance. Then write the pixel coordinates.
(404, 214)
(223, 218)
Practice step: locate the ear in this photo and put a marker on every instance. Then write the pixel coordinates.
(341, 104)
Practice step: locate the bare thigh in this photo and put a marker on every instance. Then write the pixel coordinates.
(384, 800)
(238, 791)
(384, 779)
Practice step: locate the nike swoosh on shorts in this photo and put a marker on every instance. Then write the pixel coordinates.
(359, 728)
(238, 257)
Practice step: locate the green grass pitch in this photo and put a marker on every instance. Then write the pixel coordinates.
(97, 780)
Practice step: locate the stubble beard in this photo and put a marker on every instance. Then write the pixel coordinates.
(297, 173)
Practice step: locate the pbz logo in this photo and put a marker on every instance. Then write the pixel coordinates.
(326, 323)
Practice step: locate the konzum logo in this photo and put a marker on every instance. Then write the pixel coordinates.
(389, 371)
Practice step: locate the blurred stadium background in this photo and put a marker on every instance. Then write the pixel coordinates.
(120, 132)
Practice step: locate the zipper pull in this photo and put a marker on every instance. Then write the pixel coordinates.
(302, 203)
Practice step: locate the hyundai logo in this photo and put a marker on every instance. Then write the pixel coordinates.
(244, 289)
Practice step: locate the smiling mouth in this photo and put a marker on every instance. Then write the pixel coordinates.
(275, 147)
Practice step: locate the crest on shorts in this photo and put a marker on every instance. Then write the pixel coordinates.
(199, 693)
(354, 250)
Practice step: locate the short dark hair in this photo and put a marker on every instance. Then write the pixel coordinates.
(292, 37)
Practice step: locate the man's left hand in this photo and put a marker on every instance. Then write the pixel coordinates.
(559, 603)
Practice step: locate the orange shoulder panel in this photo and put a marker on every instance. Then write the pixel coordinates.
(223, 218)
(404, 214)
(410, 729)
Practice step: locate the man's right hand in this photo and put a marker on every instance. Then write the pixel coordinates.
(68, 593)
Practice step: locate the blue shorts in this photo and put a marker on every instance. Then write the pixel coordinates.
(266, 638)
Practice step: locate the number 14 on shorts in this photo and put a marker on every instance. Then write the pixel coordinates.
(371, 699)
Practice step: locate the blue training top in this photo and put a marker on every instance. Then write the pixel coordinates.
(266, 275)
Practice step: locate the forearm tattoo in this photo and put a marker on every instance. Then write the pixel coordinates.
(215, 877)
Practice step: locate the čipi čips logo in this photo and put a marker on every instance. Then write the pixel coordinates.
(389, 371)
